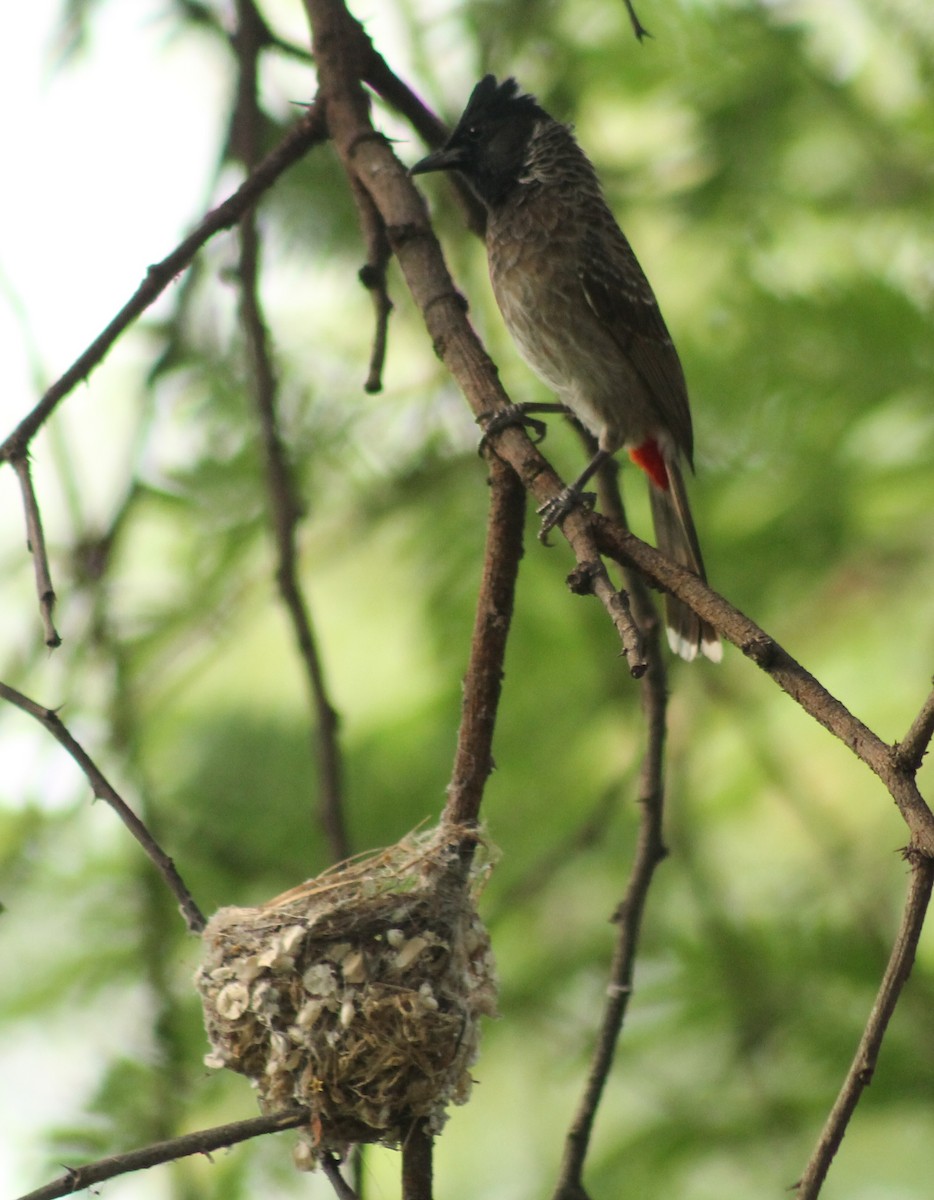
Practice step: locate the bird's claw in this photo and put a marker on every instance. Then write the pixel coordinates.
(554, 511)
(511, 414)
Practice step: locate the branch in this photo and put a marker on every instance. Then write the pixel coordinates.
(864, 1063)
(650, 851)
(373, 277)
(35, 540)
(911, 751)
(591, 578)
(47, 717)
(285, 506)
(304, 134)
(881, 758)
(342, 1188)
(637, 27)
(417, 1164)
(76, 1179)
(473, 760)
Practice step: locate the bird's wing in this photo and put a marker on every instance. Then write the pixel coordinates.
(615, 287)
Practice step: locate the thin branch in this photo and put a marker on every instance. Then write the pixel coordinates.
(650, 851)
(864, 1062)
(637, 27)
(285, 506)
(591, 578)
(473, 760)
(911, 751)
(76, 1179)
(35, 540)
(47, 717)
(881, 758)
(417, 1164)
(308, 131)
(342, 1188)
(373, 277)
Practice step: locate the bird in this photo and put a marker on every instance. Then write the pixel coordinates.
(582, 314)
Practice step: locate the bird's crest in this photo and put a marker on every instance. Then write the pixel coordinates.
(491, 100)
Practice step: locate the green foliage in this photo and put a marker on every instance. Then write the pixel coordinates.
(772, 166)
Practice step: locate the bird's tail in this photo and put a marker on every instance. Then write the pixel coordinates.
(676, 537)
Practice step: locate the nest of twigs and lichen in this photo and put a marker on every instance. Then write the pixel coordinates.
(357, 994)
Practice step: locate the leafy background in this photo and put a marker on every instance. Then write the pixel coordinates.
(772, 164)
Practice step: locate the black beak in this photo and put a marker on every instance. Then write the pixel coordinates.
(445, 159)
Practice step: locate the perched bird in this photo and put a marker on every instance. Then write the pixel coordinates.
(581, 312)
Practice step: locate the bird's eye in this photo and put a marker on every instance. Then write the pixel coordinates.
(472, 133)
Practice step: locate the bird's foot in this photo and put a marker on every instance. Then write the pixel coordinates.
(517, 414)
(554, 511)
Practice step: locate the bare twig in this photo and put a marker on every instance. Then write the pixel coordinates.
(473, 760)
(342, 1188)
(864, 1062)
(47, 717)
(309, 130)
(650, 851)
(912, 750)
(592, 578)
(35, 540)
(417, 1164)
(76, 1179)
(286, 509)
(373, 277)
(637, 27)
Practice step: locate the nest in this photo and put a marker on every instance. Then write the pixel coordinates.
(357, 994)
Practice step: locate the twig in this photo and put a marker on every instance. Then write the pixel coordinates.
(637, 27)
(592, 578)
(650, 851)
(285, 507)
(342, 1188)
(911, 751)
(863, 1066)
(310, 129)
(417, 1164)
(373, 277)
(473, 760)
(47, 717)
(76, 1179)
(35, 540)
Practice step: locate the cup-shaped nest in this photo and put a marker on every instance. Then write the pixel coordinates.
(357, 994)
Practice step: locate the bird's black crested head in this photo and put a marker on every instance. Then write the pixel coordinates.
(490, 141)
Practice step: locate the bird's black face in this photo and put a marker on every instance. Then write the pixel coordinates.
(489, 144)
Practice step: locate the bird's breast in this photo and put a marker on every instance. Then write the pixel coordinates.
(534, 261)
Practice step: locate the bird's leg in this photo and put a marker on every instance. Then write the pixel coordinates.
(571, 497)
(517, 414)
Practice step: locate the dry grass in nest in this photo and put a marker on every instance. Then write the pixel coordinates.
(357, 994)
